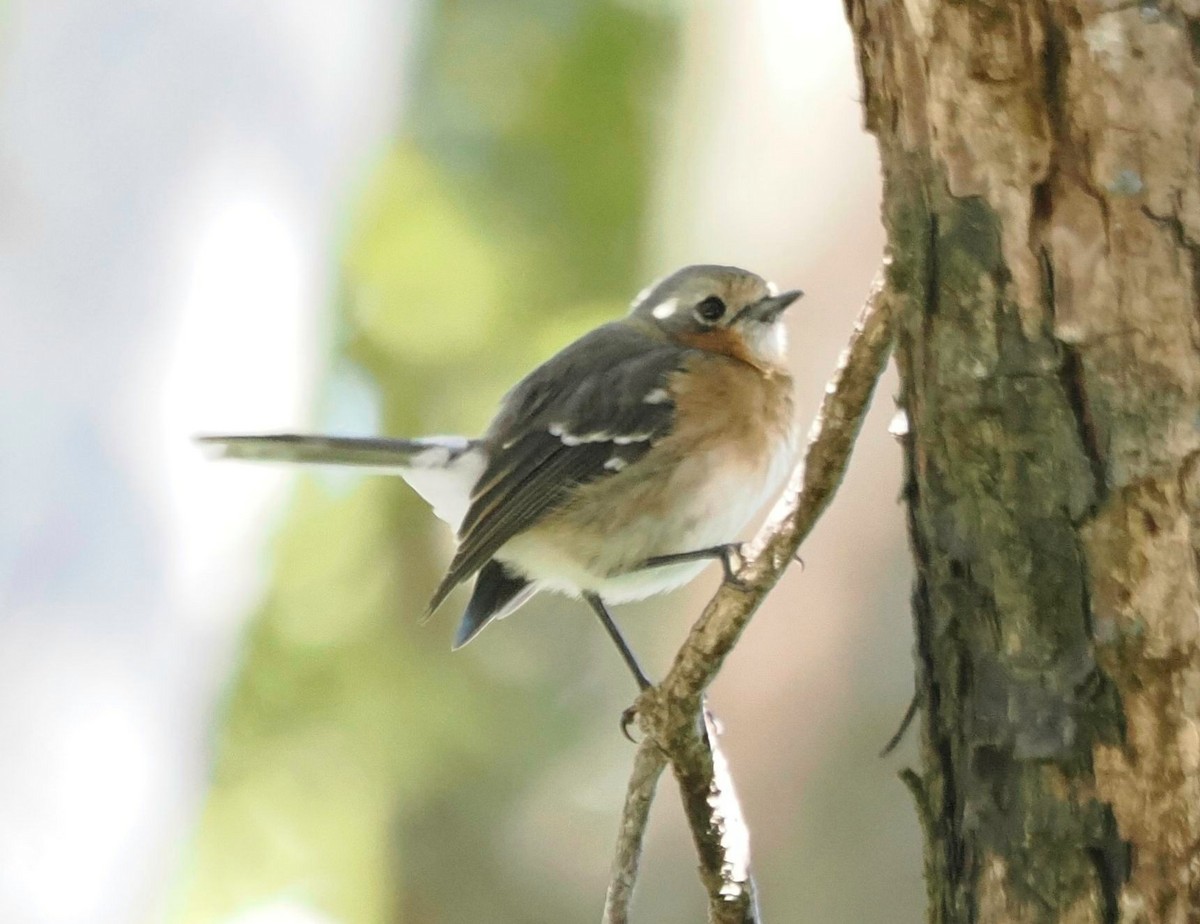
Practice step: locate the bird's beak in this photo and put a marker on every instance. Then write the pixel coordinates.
(768, 309)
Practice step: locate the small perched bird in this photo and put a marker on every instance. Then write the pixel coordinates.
(615, 469)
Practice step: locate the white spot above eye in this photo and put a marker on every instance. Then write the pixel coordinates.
(658, 396)
(645, 294)
(666, 309)
(615, 464)
(772, 289)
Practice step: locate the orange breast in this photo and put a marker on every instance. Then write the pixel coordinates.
(722, 341)
(723, 401)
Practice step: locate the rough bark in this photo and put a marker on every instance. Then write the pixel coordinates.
(1042, 200)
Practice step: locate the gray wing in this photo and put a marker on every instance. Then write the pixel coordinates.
(587, 413)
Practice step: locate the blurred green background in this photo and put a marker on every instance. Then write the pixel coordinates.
(497, 178)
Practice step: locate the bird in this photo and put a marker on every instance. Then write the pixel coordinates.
(615, 470)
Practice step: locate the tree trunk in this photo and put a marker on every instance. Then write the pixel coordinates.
(1042, 199)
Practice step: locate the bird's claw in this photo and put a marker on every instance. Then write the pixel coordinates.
(732, 561)
(628, 717)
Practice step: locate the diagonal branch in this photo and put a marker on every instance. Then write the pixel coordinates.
(677, 729)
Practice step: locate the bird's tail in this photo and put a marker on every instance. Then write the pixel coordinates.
(442, 469)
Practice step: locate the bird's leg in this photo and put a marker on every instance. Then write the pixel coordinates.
(614, 633)
(730, 554)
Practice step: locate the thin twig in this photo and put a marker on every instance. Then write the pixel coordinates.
(668, 714)
(647, 768)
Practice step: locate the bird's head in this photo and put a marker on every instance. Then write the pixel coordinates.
(721, 309)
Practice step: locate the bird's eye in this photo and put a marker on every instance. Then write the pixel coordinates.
(711, 309)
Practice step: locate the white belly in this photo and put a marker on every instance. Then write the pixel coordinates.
(713, 510)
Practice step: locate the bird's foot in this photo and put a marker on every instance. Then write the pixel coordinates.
(732, 561)
(730, 555)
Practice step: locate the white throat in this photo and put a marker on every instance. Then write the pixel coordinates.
(768, 342)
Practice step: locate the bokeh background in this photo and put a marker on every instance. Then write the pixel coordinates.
(216, 704)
